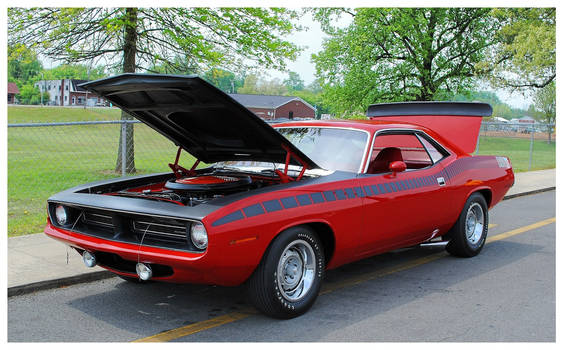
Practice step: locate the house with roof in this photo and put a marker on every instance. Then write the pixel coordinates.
(271, 107)
(12, 92)
(66, 92)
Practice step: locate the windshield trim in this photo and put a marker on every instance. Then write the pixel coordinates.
(367, 142)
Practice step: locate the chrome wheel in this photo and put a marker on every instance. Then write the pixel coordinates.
(296, 270)
(474, 223)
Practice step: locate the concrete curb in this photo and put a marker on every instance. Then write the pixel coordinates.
(529, 193)
(58, 283)
(99, 275)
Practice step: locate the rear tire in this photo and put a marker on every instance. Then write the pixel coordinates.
(288, 279)
(469, 233)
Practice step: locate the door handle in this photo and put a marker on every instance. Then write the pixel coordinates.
(441, 181)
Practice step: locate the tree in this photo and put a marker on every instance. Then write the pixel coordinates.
(524, 56)
(294, 82)
(30, 95)
(224, 80)
(501, 110)
(401, 54)
(132, 39)
(250, 85)
(545, 103)
(74, 71)
(253, 84)
(272, 87)
(23, 64)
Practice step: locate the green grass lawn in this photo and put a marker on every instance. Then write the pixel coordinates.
(518, 150)
(45, 160)
(57, 114)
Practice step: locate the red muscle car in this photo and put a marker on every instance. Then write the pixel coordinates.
(277, 206)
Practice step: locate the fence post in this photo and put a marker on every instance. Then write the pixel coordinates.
(478, 138)
(531, 149)
(123, 148)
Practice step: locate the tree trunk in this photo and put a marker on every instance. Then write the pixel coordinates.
(129, 66)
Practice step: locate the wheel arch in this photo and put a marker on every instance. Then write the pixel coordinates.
(326, 235)
(486, 192)
(322, 229)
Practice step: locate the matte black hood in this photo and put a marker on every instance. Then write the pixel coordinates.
(197, 116)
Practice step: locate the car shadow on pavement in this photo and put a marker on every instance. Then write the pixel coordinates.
(147, 309)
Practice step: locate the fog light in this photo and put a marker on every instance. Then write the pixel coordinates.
(144, 271)
(89, 259)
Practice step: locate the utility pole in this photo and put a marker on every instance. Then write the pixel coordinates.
(41, 91)
(86, 102)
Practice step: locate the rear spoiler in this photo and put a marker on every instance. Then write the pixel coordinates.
(457, 122)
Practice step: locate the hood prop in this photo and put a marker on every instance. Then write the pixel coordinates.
(180, 171)
(283, 176)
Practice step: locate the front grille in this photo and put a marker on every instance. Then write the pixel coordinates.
(129, 227)
(147, 231)
(91, 218)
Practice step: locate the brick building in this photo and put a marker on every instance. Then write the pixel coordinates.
(66, 92)
(276, 107)
(12, 92)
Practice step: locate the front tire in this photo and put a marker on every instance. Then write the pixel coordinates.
(469, 233)
(288, 279)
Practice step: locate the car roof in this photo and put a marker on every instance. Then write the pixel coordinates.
(361, 124)
(371, 126)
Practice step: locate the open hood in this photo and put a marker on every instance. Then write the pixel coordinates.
(198, 117)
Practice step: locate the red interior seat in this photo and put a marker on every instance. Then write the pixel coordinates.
(381, 163)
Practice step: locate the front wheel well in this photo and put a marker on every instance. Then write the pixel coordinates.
(326, 236)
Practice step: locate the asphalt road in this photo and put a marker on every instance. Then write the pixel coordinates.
(507, 293)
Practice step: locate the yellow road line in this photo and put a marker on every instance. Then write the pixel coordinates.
(493, 225)
(236, 316)
(520, 230)
(194, 328)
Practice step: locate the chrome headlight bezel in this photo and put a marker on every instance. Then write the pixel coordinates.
(198, 235)
(62, 215)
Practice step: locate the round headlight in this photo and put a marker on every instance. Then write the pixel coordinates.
(62, 215)
(198, 235)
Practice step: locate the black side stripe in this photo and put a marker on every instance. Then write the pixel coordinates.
(343, 194)
(227, 219)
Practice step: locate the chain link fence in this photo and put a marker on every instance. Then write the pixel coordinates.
(45, 158)
(529, 146)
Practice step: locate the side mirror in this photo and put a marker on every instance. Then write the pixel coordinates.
(397, 166)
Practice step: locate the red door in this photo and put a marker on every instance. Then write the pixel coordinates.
(404, 208)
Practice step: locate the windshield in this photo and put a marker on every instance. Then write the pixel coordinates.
(330, 148)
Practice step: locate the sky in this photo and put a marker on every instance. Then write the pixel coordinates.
(311, 40)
